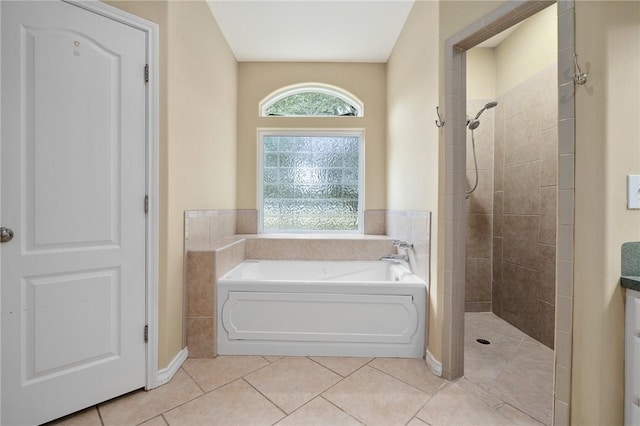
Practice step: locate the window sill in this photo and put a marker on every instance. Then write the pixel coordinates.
(315, 236)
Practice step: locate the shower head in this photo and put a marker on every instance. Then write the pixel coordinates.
(489, 105)
(473, 123)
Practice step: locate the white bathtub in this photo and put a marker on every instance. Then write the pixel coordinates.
(320, 308)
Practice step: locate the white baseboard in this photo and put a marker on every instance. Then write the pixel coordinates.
(166, 374)
(434, 364)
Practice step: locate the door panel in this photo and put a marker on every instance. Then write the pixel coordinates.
(73, 186)
(57, 302)
(63, 197)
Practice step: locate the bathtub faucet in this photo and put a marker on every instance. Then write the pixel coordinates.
(402, 244)
(395, 258)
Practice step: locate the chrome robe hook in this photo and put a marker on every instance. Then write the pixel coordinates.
(439, 121)
(579, 77)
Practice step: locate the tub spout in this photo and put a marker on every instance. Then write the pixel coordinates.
(395, 258)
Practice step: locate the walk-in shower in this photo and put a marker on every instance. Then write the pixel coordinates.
(473, 123)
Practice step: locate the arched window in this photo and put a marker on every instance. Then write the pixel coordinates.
(311, 100)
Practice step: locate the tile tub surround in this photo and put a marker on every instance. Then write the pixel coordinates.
(203, 267)
(413, 226)
(631, 266)
(317, 247)
(202, 226)
(375, 222)
(524, 209)
(212, 248)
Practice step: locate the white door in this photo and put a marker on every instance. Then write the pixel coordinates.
(73, 187)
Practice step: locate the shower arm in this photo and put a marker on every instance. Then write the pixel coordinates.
(480, 113)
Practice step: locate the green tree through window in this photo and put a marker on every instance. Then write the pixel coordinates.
(311, 104)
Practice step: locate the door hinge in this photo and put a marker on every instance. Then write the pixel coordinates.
(146, 204)
(146, 333)
(146, 73)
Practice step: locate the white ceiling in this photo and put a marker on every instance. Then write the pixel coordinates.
(311, 30)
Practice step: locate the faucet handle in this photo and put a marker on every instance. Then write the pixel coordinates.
(402, 244)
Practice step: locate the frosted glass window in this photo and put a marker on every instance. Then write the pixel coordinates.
(311, 183)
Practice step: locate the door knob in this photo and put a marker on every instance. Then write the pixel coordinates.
(6, 235)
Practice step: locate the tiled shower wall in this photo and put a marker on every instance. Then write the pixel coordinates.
(479, 209)
(524, 213)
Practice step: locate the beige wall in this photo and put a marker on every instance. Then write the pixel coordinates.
(607, 149)
(198, 99)
(530, 48)
(481, 73)
(412, 137)
(202, 140)
(365, 81)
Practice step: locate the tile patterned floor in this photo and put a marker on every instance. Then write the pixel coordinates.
(506, 383)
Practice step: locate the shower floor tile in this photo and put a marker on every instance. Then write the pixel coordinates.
(514, 368)
(509, 382)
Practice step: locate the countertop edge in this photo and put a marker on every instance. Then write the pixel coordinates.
(631, 282)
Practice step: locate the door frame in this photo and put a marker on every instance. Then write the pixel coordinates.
(152, 178)
(503, 17)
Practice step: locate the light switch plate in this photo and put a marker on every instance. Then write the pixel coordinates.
(633, 191)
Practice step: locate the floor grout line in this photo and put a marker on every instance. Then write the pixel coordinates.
(100, 415)
(341, 409)
(442, 386)
(266, 397)
(324, 366)
(194, 380)
(344, 378)
(520, 411)
(400, 379)
(509, 398)
(183, 403)
(507, 363)
(166, 422)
